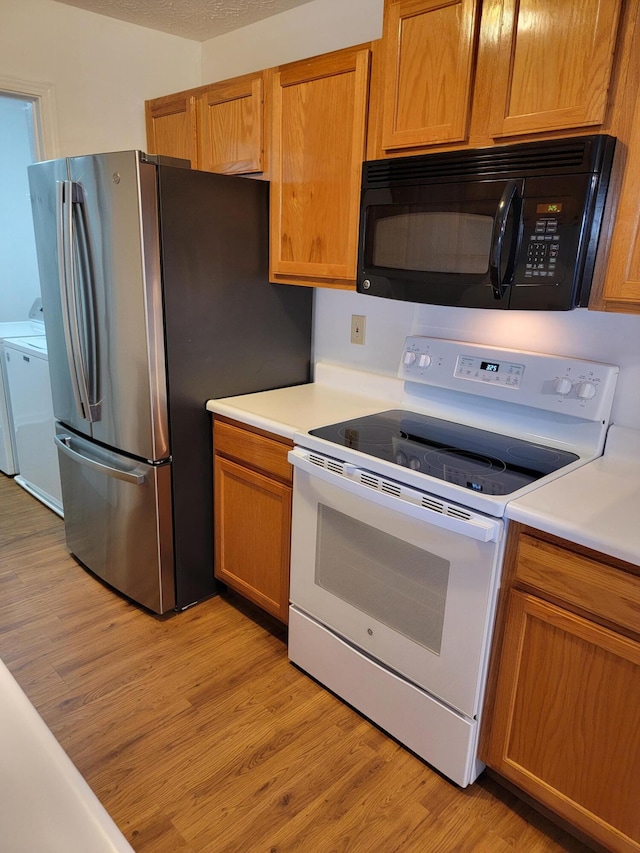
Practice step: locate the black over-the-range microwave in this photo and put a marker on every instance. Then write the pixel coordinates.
(510, 226)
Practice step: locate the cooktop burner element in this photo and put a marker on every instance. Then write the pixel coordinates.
(473, 458)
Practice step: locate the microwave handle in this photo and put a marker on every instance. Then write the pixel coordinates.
(508, 201)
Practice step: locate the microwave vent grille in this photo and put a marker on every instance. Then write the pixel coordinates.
(574, 155)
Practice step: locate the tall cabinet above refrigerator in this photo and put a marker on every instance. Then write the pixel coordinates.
(156, 298)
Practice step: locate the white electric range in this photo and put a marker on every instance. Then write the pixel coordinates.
(398, 531)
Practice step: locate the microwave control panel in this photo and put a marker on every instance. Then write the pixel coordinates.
(543, 246)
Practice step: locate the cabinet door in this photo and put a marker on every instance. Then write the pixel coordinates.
(231, 126)
(171, 127)
(553, 64)
(253, 535)
(565, 727)
(319, 117)
(428, 50)
(622, 281)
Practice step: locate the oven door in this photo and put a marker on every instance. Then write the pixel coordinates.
(408, 579)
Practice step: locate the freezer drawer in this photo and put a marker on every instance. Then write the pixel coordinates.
(118, 519)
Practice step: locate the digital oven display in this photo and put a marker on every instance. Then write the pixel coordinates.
(490, 366)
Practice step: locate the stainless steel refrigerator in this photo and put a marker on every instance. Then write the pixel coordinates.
(156, 298)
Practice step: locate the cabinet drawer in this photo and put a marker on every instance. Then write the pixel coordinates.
(593, 586)
(258, 451)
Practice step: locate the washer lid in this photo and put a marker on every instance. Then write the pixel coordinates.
(34, 345)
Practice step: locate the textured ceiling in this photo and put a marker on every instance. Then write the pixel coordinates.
(193, 19)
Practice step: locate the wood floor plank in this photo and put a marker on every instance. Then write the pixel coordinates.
(199, 736)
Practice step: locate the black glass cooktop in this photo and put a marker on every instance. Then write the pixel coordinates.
(476, 459)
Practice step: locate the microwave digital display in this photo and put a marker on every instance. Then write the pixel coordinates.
(549, 207)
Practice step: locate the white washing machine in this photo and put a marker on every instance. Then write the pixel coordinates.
(32, 327)
(27, 368)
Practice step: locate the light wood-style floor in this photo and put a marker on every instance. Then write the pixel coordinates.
(199, 736)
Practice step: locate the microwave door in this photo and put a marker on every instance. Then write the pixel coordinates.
(442, 243)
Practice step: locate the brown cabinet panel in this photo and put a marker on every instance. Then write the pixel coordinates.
(252, 514)
(428, 49)
(231, 129)
(565, 729)
(580, 581)
(171, 126)
(253, 535)
(621, 290)
(251, 448)
(553, 64)
(561, 713)
(319, 117)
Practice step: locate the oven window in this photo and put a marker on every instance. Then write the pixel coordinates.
(412, 239)
(396, 583)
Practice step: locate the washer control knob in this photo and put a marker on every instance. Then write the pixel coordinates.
(424, 360)
(409, 358)
(586, 391)
(562, 386)
(414, 463)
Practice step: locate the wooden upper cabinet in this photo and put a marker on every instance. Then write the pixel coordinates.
(171, 126)
(428, 52)
(319, 120)
(552, 65)
(621, 290)
(231, 126)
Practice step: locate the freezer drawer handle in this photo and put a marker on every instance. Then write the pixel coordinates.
(127, 476)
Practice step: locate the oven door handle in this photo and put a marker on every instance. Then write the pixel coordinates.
(344, 475)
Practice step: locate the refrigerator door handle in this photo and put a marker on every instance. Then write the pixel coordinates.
(68, 193)
(64, 444)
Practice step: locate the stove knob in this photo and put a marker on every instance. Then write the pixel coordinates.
(424, 360)
(562, 386)
(586, 391)
(414, 463)
(409, 358)
(401, 458)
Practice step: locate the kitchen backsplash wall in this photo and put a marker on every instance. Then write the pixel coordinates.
(612, 338)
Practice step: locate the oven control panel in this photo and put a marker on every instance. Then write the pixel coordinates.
(572, 386)
(478, 369)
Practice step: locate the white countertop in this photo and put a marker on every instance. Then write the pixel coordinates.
(328, 400)
(595, 506)
(45, 804)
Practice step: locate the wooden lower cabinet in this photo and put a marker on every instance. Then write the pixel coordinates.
(252, 514)
(562, 719)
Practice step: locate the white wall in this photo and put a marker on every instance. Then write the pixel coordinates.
(611, 338)
(316, 27)
(101, 70)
